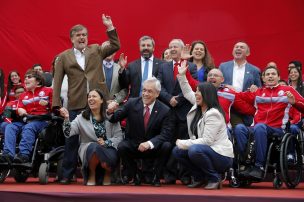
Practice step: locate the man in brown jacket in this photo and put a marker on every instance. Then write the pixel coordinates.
(83, 66)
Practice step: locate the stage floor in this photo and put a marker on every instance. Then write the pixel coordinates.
(33, 191)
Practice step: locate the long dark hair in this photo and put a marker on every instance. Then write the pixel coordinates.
(299, 87)
(207, 60)
(210, 98)
(10, 84)
(87, 112)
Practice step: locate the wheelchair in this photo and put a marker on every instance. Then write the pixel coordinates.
(278, 162)
(47, 153)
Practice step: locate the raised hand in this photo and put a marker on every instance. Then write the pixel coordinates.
(107, 21)
(182, 69)
(123, 60)
(185, 55)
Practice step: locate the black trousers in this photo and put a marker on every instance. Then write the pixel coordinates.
(128, 151)
(70, 158)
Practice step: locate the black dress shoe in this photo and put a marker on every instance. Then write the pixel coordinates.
(19, 158)
(65, 181)
(125, 180)
(169, 182)
(185, 181)
(156, 181)
(196, 184)
(5, 158)
(213, 185)
(245, 173)
(137, 180)
(257, 173)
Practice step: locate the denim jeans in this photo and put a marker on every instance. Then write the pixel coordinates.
(203, 162)
(29, 132)
(261, 132)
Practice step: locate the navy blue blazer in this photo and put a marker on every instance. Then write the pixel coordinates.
(133, 76)
(252, 74)
(171, 87)
(159, 129)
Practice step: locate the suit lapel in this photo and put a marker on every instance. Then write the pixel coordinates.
(138, 69)
(230, 73)
(246, 76)
(86, 57)
(155, 64)
(153, 115)
(114, 76)
(140, 111)
(72, 58)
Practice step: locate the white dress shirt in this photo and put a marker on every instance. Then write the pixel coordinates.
(238, 76)
(80, 58)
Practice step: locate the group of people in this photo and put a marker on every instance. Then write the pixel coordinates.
(181, 112)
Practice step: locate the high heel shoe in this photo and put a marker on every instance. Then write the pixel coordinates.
(213, 185)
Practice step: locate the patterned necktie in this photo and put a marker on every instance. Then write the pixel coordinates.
(146, 117)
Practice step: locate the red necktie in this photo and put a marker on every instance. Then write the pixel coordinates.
(146, 116)
(175, 70)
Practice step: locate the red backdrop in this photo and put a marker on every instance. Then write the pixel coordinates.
(34, 31)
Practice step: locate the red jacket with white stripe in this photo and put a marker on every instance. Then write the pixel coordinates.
(30, 101)
(226, 98)
(272, 106)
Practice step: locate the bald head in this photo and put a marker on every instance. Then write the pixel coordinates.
(215, 76)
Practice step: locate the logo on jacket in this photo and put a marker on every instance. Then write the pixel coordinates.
(281, 93)
(41, 93)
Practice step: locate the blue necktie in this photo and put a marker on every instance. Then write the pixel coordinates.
(145, 75)
(146, 70)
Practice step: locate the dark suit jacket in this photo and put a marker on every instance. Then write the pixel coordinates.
(171, 87)
(78, 79)
(158, 130)
(252, 74)
(133, 76)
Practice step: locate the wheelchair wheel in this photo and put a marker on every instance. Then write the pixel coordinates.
(3, 174)
(234, 182)
(43, 173)
(291, 161)
(20, 176)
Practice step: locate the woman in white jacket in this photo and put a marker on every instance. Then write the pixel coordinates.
(98, 139)
(208, 152)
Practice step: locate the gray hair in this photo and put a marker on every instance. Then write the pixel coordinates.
(143, 38)
(178, 41)
(155, 81)
(77, 28)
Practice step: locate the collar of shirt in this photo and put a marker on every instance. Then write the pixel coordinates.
(239, 66)
(176, 62)
(144, 59)
(77, 52)
(150, 107)
(108, 64)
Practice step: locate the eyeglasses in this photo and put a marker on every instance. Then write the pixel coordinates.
(28, 76)
(213, 75)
